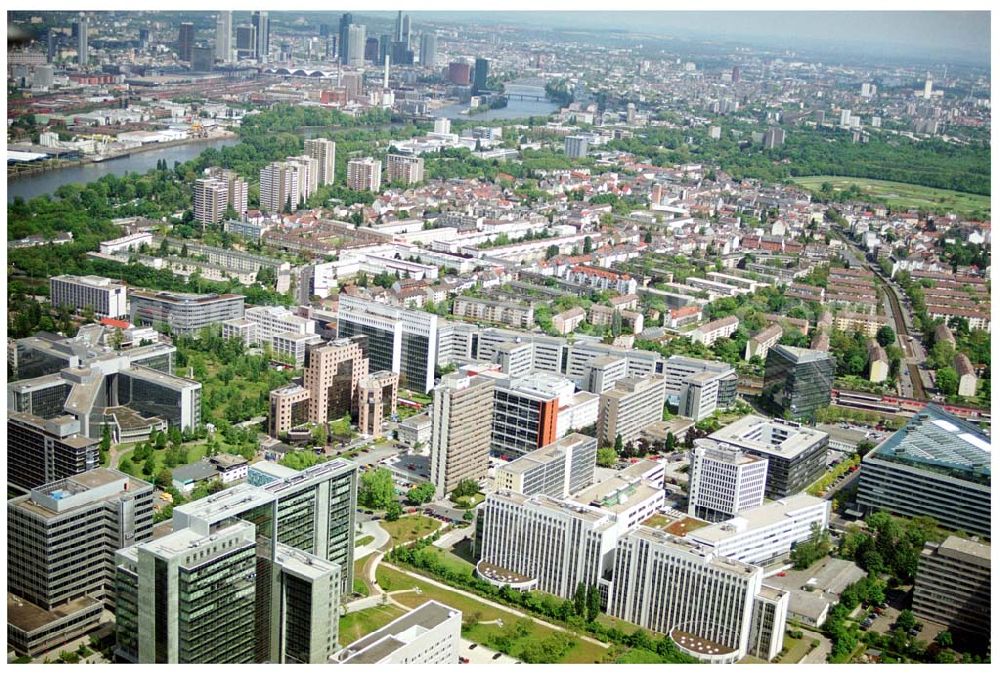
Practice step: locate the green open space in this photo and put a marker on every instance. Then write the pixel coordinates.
(356, 625)
(905, 195)
(360, 582)
(469, 502)
(195, 450)
(409, 528)
(795, 649)
(363, 540)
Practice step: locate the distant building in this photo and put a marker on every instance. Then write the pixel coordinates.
(495, 311)
(878, 362)
(774, 138)
(758, 344)
(428, 50)
(404, 169)
(459, 73)
(428, 634)
(937, 466)
(482, 74)
(576, 147)
(952, 586)
(185, 41)
(628, 407)
(209, 202)
(324, 151)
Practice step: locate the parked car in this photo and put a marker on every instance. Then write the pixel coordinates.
(497, 656)
(473, 645)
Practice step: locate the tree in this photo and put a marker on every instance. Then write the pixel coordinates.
(944, 639)
(580, 599)
(619, 445)
(947, 380)
(670, 442)
(105, 438)
(465, 488)
(150, 466)
(318, 434)
(164, 478)
(377, 490)
(421, 494)
(588, 245)
(606, 457)
(886, 336)
(394, 511)
(593, 603)
(160, 440)
(906, 620)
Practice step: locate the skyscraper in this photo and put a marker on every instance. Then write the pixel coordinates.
(481, 74)
(185, 41)
(224, 36)
(371, 50)
(405, 37)
(246, 42)
(263, 26)
(398, 32)
(279, 187)
(202, 58)
(324, 151)
(461, 432)
(428, 50)
(346, 20)
(82, 49)
(355, 45)
(364, 174)
(736, 74)
(210, 198)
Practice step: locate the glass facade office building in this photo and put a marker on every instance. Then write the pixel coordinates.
(798, 380)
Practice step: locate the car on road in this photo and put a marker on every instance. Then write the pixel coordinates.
(473, 645)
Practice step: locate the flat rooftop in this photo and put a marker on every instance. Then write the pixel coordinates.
(686, 547)
(762, 516)
(617, 494)
(29, 617)
(376, 646)
(544, 455)
(773, 437)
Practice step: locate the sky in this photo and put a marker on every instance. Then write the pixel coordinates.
(962, 34)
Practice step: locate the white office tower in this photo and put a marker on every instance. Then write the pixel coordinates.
(845, 117)
(428, 50)
(461, 431)
(364, 174)
(442, 125)
(713, 608)
(106, 298)
(576, 146)
(724, 481)
(224, 36)
(279, 187)
(324, 151)
(308, 175)
(210, 198)
(356, 45)
(928, 86)
(544, 543)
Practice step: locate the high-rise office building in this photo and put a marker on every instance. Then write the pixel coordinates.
(82, 41)
(462, 421)
(723, 481)
(798, 380)
(262, 26)
(627, 408)
(346, 20)
(246, 42)
(428, 50)
(324, 151)
(459, 73)
(332, 373)
(482, 73)
(61, 541)
(202, 58)
(952, 586)
(398, 27)
(224, 36)
(372, 50)
(185, 41)
(355, 45)
(376, 400)
(405, 32)
(211, 195)
(364, 174)
(937, 465)
(404, 169)
(736, 75)
(558, 470)
(104, 297)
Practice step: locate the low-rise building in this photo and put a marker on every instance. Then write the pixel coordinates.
(953, 586)
(758, 344)
(428, 634)
(557, 470)
(966, 375)
(505, 313)
(713, 330)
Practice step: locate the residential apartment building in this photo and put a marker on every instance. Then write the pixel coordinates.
(558, 470)
(403, 341)
(183, 313)
(937, 466)
(708, 333)
(404, 169)
(967, 380)
(308, 175)
(237, 189)
(61, 540)
(429, 634)
(280, 187)
(462, 426)
(868, 324)
(364, 174)
(723, 481)
(602, 279)
(798, 380)
(766, 533)
(324, 151)
(377, 394)
(566, 322)
(796, 455)
(106, 298)
(878, 362)
(952, 587)
(758, 344)
(631, 405)
(518, 315)
(209, 200)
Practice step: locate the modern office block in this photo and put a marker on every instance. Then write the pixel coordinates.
(700, 394)
(61, 540)
(767, 627)
(953, 586)
(526, 413)
(224, 36)
(288, 408)
(462, 424)
(544, 543)
(678, 371)
(262, 29)
(429, 634)
(260, 324)
(403, 341)
(324, 151)
(630, 406)
(558, 470)
(310, 590)
(184, 313)
(185, 41)
(798, 380)
(404, 169)
(938, 466)
(331, 375)
(766, 533)
(796, 455)
(428, 50)
(106, 298)
(41, 451)
(376, 400)
(364, 174)
(704, 602)
(724, 481)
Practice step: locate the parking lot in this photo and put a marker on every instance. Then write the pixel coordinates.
(481, 654)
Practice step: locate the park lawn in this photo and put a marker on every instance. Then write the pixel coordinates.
(356, 625)
(905, 195)
(796, 649)
(409, 528)
(359, 574)
(195, 451)
(624, 626)
(363, 540)
(582, 651)
(636, 655)
(469, 502)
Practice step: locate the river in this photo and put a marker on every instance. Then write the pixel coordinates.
(515, 109)
(37, 184)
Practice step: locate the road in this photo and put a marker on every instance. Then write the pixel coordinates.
(820, 654)
(372, 528)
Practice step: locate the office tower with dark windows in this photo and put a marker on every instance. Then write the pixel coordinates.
(61, 542)
(224, 36)
(262, 26)
(462, 421)
(202, 58)
(480, 76)
(798, 380)
(346, 20)
(185, 41)
(82, 41)
(401, 340)
(40, 450)
(246, 42)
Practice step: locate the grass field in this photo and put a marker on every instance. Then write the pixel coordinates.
(905, 195)
(797, 648)
(409, 528)
(360, 583)
(363, 540)
(356, 625)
